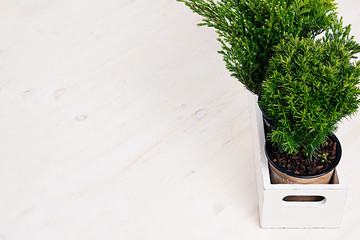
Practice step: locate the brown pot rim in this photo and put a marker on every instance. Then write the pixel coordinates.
(335, 163)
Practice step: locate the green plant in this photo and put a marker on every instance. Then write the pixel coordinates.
(311, 86)
(249, 29)
(324, 156)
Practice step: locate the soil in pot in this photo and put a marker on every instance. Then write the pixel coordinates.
(299, 168)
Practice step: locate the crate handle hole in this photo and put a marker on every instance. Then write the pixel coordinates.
(304, 198)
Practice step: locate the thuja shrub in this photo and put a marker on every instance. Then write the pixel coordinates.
(249, 29)
(311, 86)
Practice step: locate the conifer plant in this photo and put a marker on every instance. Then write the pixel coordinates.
(311, 86)
(249, 29)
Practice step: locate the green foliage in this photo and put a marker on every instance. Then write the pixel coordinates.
(311, 86)
(249, 29)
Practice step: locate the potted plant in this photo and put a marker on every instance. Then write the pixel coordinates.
(310, 87)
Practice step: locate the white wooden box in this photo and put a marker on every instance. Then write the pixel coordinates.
(274, 212)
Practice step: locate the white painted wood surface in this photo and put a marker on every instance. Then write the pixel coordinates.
(120, 121)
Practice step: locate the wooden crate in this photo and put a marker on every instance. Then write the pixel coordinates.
(274, 212)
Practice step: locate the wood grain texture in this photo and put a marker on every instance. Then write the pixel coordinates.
(120, 121)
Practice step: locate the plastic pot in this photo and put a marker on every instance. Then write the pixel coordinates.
(279, 175)
(268, 124)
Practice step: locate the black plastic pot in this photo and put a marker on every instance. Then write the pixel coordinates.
(280, 175)
(268, 124)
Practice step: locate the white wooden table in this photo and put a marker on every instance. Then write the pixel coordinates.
(119, 121)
